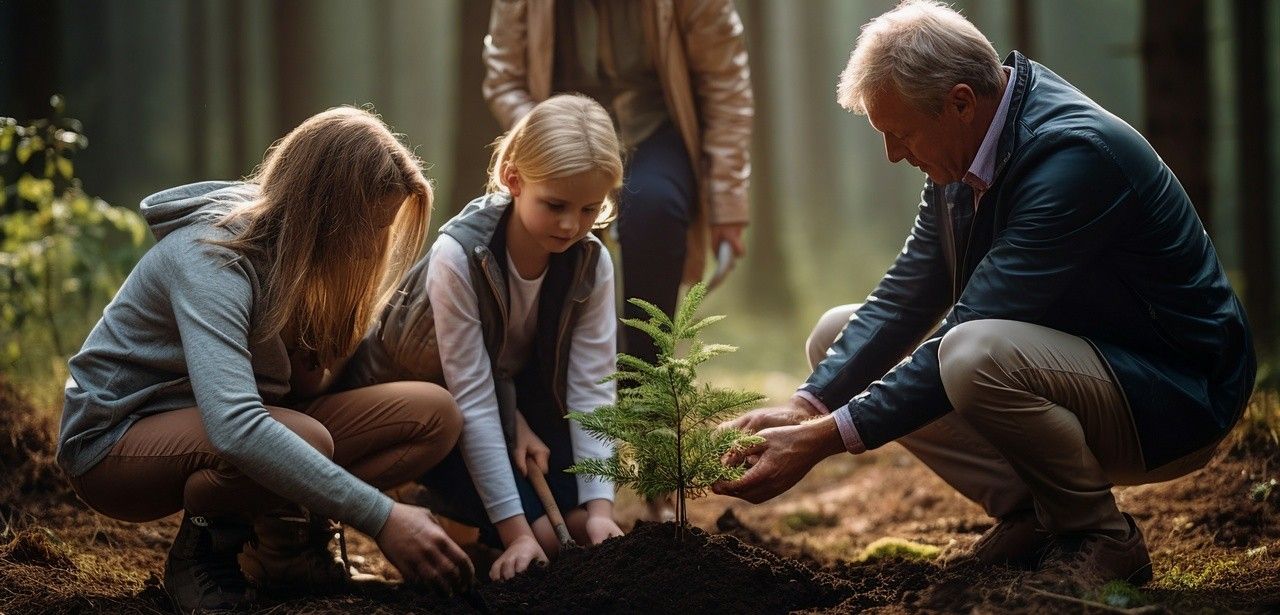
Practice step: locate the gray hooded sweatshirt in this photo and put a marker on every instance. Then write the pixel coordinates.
(181, 333)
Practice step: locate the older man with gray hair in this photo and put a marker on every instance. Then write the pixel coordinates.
(1057, 323)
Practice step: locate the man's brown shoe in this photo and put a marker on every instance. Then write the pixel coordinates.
(1016, 540)
(1085, 561)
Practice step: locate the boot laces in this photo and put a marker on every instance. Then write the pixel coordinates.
(319, 549)
(342, 547)
(221, 574)
(1070, 556)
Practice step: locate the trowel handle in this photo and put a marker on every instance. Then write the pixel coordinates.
(548, 502)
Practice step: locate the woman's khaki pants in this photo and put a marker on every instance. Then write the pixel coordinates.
(385, 435)
(1038, 422)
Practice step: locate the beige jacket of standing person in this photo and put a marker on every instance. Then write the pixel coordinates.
(701, 58)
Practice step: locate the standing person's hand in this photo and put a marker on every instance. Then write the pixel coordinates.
(530, 454)
(785, 456)
(777, 416)
(421, 550)
(731, 233)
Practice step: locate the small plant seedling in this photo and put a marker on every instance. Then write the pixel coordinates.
(664, 424)
(901, 548)
(801, 520)
(1121, 595)
(1261, 490)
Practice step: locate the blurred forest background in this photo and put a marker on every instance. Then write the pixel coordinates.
(169, 92)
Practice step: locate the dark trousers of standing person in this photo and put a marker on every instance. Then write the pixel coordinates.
(657, 200)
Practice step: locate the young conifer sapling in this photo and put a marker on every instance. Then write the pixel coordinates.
(665, 424)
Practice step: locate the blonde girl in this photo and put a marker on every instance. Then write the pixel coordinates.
(513, 308)
(204, 387)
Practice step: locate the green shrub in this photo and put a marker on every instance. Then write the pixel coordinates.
(63, 253)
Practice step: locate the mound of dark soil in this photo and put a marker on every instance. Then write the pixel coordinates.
(648, 571)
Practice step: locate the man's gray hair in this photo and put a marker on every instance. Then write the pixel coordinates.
(921, 48)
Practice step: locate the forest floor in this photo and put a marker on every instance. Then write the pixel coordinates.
(1214, 538)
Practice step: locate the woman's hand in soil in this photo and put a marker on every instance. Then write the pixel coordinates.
(522, 551)
(529, 453)
(421, 550)
(779, 416)
(785, 456)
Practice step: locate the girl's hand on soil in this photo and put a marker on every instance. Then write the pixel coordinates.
(522, 551)
(600, 525)
(785, 456)
(779, 416)
(600, 529)
(423, 553)
(530, 453)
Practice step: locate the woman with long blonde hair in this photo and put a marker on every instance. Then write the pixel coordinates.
(205, 387)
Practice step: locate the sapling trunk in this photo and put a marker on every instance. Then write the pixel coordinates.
(681, 479)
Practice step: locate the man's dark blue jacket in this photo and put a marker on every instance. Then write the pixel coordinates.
(1084, 230)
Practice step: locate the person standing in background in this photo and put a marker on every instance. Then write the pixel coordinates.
(674, 76)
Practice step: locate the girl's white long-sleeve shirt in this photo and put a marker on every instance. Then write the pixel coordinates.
(469, 374)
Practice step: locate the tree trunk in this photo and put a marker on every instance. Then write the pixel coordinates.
(767, 276)
(476, 126)
(383, 55)
(294, 61)
(36, 49)
(237, 116)
(1176, 84)
(1253, 127)
(1023, 27)
(197, 89)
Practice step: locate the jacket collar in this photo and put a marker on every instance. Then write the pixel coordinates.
(1009, 134)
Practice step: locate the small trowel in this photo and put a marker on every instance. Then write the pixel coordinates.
(725, 260)
(553, 510)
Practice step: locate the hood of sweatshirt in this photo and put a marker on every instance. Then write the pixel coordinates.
(202, 202)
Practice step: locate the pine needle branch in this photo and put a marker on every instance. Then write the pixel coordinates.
(664, 425)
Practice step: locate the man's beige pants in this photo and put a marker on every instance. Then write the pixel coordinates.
(1038, 422)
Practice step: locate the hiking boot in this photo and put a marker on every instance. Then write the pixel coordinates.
(1079, 562)
(1017, 540)
(201, 574)
(291, 554)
